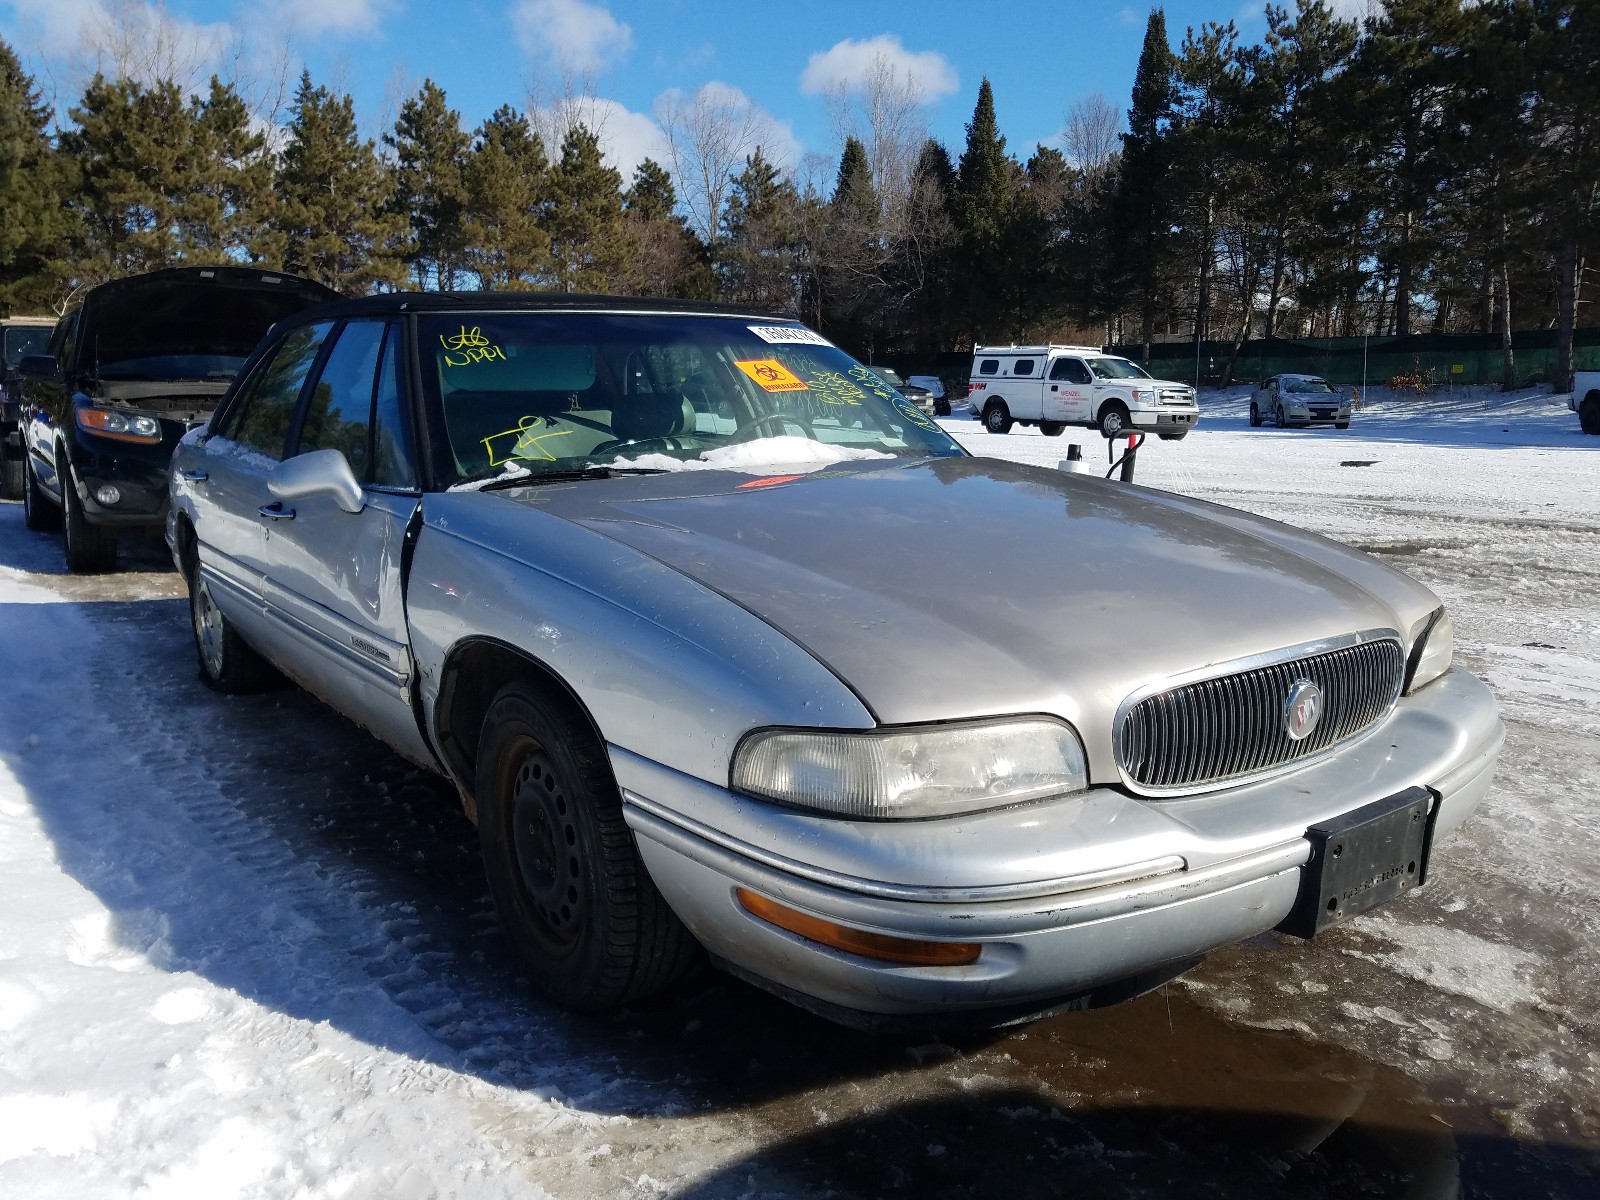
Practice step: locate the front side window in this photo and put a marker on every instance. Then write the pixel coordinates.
(339, 409)
(260, 420)
(550, 392)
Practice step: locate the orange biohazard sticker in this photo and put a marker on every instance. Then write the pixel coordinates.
(771, 375)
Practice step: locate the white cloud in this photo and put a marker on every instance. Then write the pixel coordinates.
(755, 125)
(1128, 17)
(331, 18)
(574, 36)
(848, 64)
(138, 39)
(627, 138)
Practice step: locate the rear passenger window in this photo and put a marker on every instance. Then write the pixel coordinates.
(260, 422)
(1024, 366)
(339, 411)
(989, 366)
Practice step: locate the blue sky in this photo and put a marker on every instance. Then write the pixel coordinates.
(1039, 56)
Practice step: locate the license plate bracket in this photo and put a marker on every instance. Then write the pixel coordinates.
(1362, 859)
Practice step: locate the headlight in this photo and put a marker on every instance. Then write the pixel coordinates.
(125, 426)
(931, 771)
(1432, 651)
(1144, 395)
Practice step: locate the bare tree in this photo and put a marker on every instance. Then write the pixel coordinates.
(556, 107)
(132, 39)
(883, 109)
(709, 132)
(1091, 133)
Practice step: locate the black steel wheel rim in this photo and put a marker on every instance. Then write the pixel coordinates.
(544, 847)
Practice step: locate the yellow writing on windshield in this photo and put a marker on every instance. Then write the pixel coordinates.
(468, 347)
(833, 388)
(529, 442)
(771, 375)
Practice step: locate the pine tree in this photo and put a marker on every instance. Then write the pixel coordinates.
(983, 204)
(667, 258)
(333, 198)
(134, 154)
(1142, 217)
(227, 212)
(431, 151)
(758, 255)
(589, 246)
(922, 260)
(35, 227)
(504, 181)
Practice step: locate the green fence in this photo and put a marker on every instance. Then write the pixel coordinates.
(1441, 358)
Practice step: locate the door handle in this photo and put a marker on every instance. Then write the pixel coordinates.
(195, 476)
(276, 511)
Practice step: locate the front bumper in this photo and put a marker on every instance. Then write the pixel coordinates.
(1064, 896)
(1316, 417)
(1165, 421)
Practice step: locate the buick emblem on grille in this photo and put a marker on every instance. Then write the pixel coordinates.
(1302, 710)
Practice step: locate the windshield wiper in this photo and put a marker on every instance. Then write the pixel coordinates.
(496, 482)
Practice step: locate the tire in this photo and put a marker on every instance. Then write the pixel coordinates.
(39, 512)
(1255, 416)
(1278, 419)
(1589, 413)
(1341, 424)
(1113, 419)
(11, 471)
(226, 664)
(996, 419)
(941, 408)
(563, 868)
(89, 547)
(1052, 428)
(1173, 437)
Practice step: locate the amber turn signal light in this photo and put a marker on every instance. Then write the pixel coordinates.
(906, 952)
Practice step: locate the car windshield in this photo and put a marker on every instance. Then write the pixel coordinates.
(24, 340)
(890, 376)
(1117, 368)
(1300, 386)
(558, 392)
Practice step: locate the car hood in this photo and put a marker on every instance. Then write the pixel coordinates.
(188, 311)
(964, 587)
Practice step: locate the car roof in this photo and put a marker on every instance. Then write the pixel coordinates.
(30, 322)
(388, 304)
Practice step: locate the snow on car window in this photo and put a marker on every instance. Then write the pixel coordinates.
(559, 391)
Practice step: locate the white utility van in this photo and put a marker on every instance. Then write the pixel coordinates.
(1056, 386)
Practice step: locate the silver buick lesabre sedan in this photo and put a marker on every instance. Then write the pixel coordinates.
(725, 644)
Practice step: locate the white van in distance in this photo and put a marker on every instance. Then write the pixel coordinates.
(1056, 386)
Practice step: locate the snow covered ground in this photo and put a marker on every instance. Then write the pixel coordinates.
(246, 952)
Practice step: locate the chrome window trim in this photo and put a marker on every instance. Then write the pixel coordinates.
(1234, 666)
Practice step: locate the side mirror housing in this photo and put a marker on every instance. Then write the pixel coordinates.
(38, 366)
(319, 473)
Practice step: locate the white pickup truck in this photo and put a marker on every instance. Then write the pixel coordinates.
(1055, 386)
(1586, 399)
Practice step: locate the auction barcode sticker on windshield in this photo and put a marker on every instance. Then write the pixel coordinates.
(781, 335)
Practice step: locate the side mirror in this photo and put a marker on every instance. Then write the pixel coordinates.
(319, 473)
(38, 366)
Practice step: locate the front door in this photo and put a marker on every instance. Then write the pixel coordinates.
(1072, 391)
(335, 582)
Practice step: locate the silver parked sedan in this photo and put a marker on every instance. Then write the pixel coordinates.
(725, 644)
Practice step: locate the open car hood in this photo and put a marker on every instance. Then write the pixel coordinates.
(187, 311)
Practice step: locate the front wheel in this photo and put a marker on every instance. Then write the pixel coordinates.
(227, 665)
(996, 419)
(1255, 416)
(1113, 420)
(1173, 437)
(1341, 424)
(563, 869)
(941, 408)
(89, 547)
(1278, 418)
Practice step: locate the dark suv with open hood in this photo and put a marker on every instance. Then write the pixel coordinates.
(140, 362)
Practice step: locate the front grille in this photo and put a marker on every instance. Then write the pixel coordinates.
(1177, 396)
(1232, 726)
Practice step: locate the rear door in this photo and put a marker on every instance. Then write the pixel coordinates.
(226, 474)
(335, 579)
